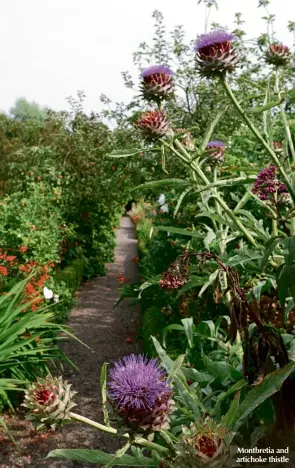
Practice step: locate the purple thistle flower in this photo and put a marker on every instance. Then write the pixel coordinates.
(157, 83)
(215, 54)
(157, 69)
(139, 390)
(211, 39)
(268, 184)
(215, 144)
(136, 383)
(217, 149)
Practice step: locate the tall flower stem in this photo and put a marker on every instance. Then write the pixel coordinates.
(218, 210)
(193, 164)
(138, 440)
(284, 117)
(258, 135)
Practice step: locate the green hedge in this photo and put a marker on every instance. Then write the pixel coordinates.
(71, 275)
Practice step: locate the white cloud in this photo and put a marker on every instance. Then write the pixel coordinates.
(49, 50)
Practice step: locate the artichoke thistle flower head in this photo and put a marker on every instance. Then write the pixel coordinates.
(157, 83)
(216, 149)
(278, 55)
(139, 390)
(215, 53)
(50, 401)
(205, 444)
(154, 124)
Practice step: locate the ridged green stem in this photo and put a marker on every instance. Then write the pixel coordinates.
(221, 202)
(284, 118)
(138, 440)
(258, 135)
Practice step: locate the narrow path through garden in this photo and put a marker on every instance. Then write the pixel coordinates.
(110, 334)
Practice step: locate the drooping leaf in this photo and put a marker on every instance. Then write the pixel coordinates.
(188, 325)
(211, 129)
(270, 105)
(103, 390)
(270, 247)
(98, 457)
(180, 231)
(211, 280)
(180, 200)
(270, 385)
(162, 183)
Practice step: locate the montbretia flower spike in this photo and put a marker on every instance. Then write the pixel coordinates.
(50, 401)
(140, 393)
(154, 124)
(175, 277)
(215, 54)
(157, 83)
(216, 149)
(171, 280)
(278, 55)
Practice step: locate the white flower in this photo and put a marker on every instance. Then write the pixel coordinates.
(162, 199)
(55, 297)
(48, 293)
(165, 208)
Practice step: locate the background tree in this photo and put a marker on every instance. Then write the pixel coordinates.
(25, 110)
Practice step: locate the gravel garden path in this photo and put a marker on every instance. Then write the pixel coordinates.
(110, 334)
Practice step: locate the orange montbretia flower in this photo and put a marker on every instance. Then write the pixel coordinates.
(122, 278)
(135, 260)
(3, 270)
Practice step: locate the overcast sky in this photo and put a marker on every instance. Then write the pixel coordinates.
(52, 48)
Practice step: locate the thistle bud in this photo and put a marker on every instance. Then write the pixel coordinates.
(185, 138)
(215, 54)
(50, 401)
(277, 146)
(140, 393)
(278, 55)
(205, 444)
(157, 83)
(216, 150)
(154, 124)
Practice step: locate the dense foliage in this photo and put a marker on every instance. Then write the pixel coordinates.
(207, 145)
(57, 223)
(216, 238)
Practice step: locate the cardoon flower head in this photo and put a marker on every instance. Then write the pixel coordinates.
(277, 146)
(205, 443)
(154, 124)
(267, 184)
(216, 149)
(278, 55)
(157, 83)
(185, 138)
(139, 390)
(215, 54)
(50, 401)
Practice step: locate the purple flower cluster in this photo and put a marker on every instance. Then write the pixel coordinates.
(267, 184)
(212, 39)
(137, 383)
